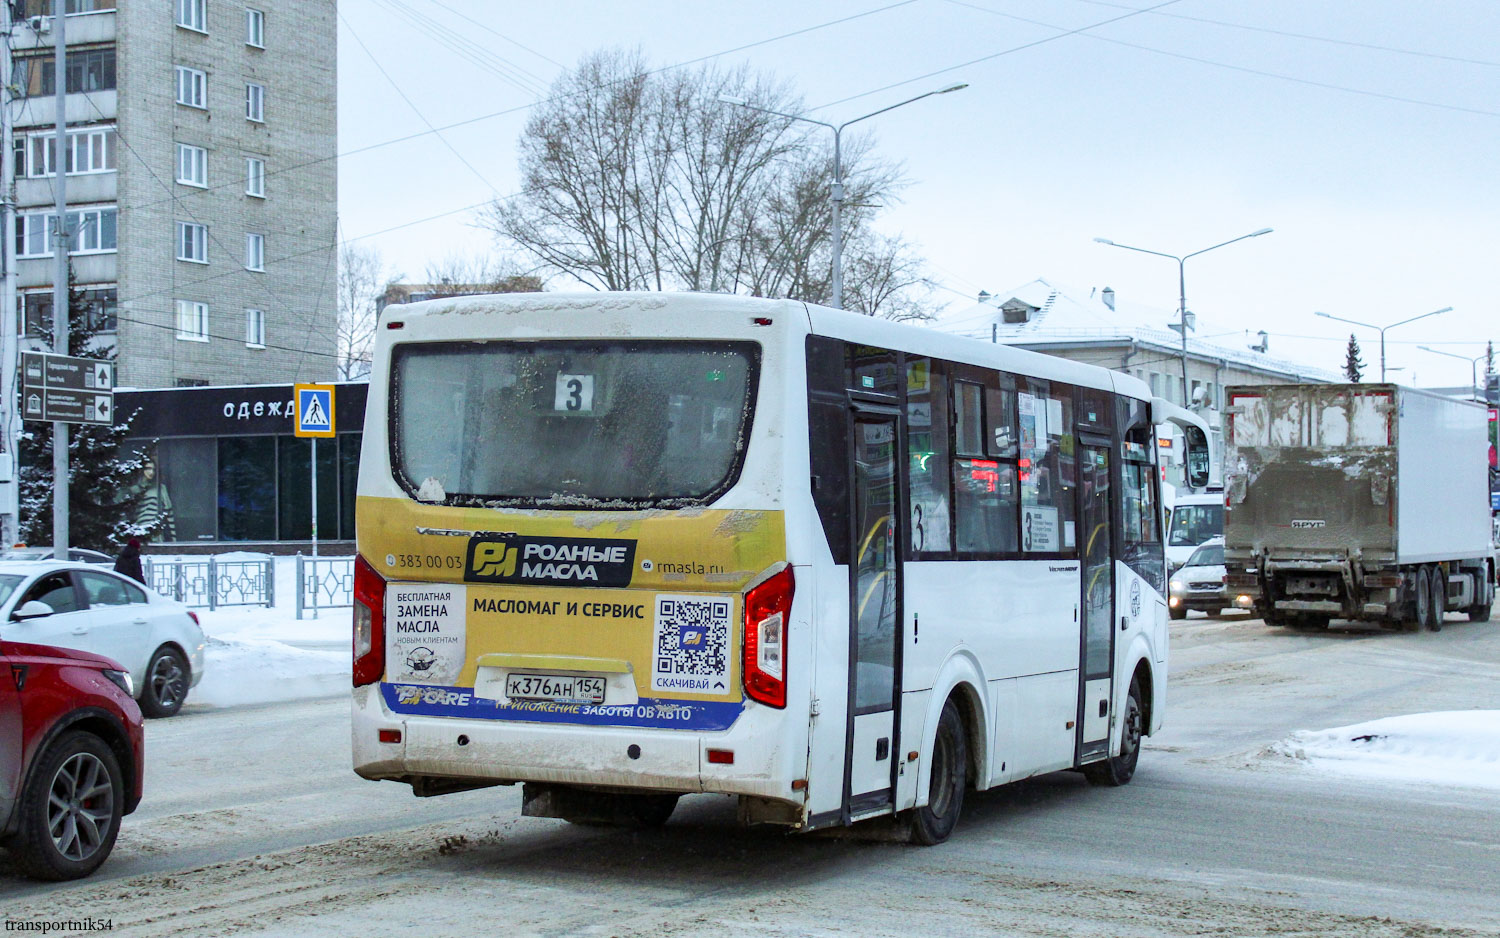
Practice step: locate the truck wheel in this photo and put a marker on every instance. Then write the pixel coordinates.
(1421, 600)
(1480, 611)
(1437, 582)
(1177, 612)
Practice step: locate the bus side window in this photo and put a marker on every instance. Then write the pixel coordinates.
(1048, 468)
(1140, 547)
(986, 496)
(929, 447)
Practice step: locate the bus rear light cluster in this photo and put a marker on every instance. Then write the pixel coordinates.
(369, 623)
(767, 608)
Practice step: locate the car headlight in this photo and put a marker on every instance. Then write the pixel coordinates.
(1176, 585)
(122, 680)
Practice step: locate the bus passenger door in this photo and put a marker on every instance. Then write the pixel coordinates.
(874, 642)
(1097, 651)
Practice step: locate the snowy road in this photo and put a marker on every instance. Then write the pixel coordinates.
(1216, 834)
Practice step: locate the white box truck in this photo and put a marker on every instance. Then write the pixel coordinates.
(1356, 501)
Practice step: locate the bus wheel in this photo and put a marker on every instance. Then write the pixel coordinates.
(933, 822)
(1121, 769)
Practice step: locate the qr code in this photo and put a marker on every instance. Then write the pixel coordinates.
(692, 645)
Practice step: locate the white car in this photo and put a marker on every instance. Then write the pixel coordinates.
(80, 606)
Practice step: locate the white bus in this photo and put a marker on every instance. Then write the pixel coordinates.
(623, 547)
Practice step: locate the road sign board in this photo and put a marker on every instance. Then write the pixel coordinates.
(314, 409)
(67, 388)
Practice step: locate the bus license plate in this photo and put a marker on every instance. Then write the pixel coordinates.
(559, 688)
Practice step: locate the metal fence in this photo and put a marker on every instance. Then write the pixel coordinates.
(324, 583)
(212, 582)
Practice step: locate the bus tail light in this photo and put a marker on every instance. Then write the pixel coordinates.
(767, 608)
(369, 623)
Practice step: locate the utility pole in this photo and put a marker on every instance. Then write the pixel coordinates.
(10, 464)
(60, 285)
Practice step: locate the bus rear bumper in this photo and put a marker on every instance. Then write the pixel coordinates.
(630, 758)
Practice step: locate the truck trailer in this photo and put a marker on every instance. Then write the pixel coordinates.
(1356, 501)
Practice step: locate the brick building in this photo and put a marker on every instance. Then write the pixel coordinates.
(202, 183)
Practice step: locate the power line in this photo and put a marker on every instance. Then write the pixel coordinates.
(415, 110)
(488, 29)
(522, 107)
(995, 55)
(1310, 38)
(468, 49)
(1225, 65)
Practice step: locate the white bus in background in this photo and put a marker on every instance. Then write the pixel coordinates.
(624, 547)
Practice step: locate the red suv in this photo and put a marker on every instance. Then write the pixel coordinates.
(72, 756)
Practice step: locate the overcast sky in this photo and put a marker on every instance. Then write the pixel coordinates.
(1364, 133)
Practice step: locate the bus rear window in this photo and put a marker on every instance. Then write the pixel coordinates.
(571, 424)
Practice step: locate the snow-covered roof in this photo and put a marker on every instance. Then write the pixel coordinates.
(1042, 313)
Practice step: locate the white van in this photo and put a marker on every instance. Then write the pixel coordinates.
(1193, 520)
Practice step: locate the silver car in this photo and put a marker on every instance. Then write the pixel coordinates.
(1199, 583)
(81, 606)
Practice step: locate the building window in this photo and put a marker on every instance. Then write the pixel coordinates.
(255, 103)
(88, 151)
(193, 14)
(88, 70)
(92, 231)
(255, 28)
(192, 242)
(255, 251)
(191, 383)
(192, 320)
(99, 305)
(255, 177)
(255, 328)
(44, 7)
(192, 87)
(192, 165)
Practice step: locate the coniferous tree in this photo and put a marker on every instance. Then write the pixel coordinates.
(1354, 366)
(101, 504)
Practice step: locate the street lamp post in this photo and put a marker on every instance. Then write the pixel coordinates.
(1182, 288)
(836, 191)
(1382, 329)
(1473, 365)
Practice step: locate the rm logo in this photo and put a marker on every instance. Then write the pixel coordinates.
(493, 559)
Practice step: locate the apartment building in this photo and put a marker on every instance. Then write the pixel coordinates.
(201, 183)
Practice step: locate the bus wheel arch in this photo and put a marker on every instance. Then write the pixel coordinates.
(1141, 676)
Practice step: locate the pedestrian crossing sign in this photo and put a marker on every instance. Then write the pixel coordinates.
(314, 409)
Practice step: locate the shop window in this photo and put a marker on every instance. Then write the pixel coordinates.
(247, 488)
(349, 444)
(174, 493)
(294, 511)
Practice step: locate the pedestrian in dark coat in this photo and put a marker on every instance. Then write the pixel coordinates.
(129, 562)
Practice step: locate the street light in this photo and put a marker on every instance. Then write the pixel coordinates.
(836, 193)
(1382, 329)
(1182, 313)
(1473, 364)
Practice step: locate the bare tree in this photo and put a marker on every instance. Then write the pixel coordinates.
(641, 180)
(459, 274)
(361, 283)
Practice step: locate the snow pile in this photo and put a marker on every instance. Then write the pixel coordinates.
(256, 654)
(1455, 747)
(251, 671)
